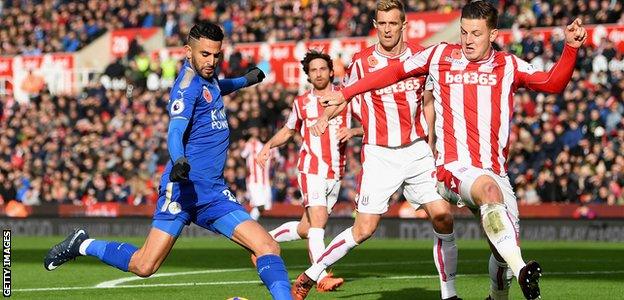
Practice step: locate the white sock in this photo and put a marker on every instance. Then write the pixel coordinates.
(500, 279)
(286, 232)
(445, 258)
(501, 232)
(338, 248)
(83, 247)
(316, 246)
(255, 213)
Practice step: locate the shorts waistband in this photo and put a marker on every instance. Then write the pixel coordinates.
(405, 145)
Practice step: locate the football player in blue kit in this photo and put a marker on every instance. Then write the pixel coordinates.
(192, 188)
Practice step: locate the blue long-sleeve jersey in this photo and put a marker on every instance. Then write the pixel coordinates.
(198, 128)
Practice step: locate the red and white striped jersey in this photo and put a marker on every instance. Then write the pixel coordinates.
(392, 116)
(474, 100)
(255, 173)
(320, 155)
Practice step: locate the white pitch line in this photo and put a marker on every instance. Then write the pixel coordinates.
(115, 282)
(258, 281)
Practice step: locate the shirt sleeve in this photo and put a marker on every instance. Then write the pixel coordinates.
(246, 150)
(415, 65)
(294, 121)
(553, 81)
(355, 106)
(180, 107)
(230, 85)
(182, 100)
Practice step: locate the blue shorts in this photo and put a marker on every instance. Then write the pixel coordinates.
(179, 204)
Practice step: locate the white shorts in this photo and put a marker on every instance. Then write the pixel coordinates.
(384, 170)
(456, 180)
(259, 195)
(318, 190)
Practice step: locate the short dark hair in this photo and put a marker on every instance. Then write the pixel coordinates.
(481, 10)
(314, 54)
(204, 29)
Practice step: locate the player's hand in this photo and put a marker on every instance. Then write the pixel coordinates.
(332, 98)
(180, 170)
(319, 127)
(575, 34)
(254, 75)
(263, 156)
(345, 134)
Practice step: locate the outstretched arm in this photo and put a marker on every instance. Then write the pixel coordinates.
(323, 121)
(559, 75)
(230, 85)
(553, 81)
(416, 65)
(279, 139)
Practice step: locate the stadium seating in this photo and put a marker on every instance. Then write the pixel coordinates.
(110, 145)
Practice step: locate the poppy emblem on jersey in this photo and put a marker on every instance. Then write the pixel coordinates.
(177, 107)
(174, 208)
(207, 95)
(306, 100)
(372, 61)
(456, 54)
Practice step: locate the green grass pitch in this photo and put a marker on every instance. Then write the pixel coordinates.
(215, 268)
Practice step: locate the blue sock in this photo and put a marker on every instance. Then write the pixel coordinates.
(272, 271)
(113, 253)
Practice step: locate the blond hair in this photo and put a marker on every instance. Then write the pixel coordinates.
(387, 5)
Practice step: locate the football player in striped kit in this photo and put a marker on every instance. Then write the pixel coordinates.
(473, 88)
(321, 161)
(395, 153)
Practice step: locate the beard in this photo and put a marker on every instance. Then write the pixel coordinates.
(320, 85)
(199, 71)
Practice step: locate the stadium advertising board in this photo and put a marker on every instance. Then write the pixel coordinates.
(120, 39)
(596, 33)
(283, 210)
(406, 229)
(6, 75)
(30, 74)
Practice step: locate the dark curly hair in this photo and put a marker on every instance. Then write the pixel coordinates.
(314, 54)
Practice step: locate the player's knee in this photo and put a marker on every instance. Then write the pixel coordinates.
(489, 191)
(443, 222)
(145, 269)
(269, 246)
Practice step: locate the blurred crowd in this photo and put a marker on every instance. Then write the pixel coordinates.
(529, 14)
(109, 143)
(569, 147)
(34, 27)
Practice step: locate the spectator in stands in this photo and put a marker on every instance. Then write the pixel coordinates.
(65, 144)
